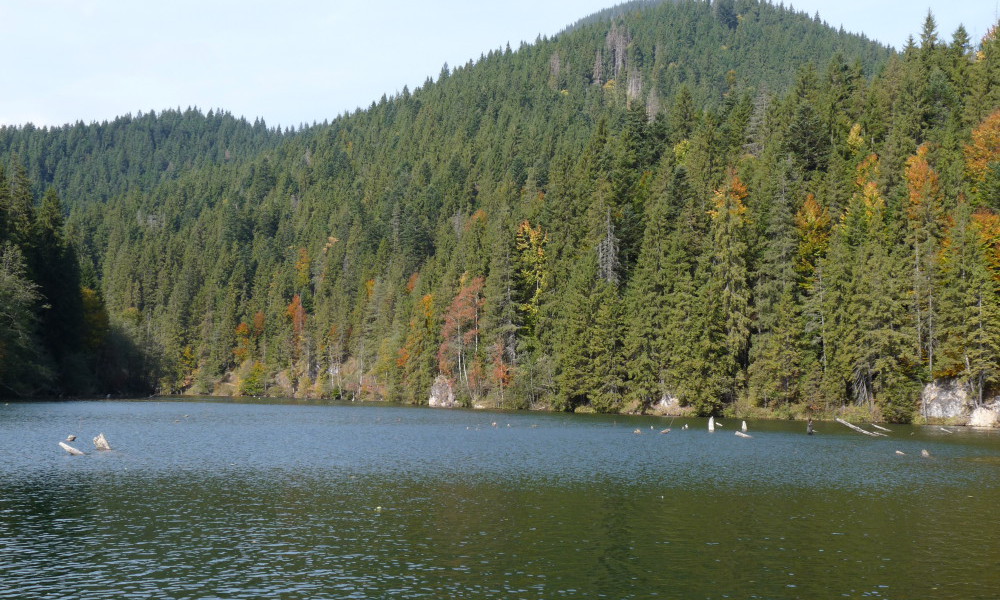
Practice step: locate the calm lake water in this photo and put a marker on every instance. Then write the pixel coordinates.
(267, 500)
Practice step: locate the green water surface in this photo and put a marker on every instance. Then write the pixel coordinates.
(231, 500)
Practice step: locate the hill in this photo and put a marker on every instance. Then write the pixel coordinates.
(92, 163)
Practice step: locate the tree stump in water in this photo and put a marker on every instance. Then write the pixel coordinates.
(101, 443)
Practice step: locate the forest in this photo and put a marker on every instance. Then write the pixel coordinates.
(728, 207)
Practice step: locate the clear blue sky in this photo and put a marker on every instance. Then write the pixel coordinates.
(299, 61)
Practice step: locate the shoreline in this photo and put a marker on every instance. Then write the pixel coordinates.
(793, 413)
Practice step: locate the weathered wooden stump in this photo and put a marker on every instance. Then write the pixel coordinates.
(101, 442)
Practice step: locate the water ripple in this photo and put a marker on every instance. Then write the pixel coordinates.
(211, 500)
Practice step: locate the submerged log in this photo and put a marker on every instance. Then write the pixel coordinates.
(743, 435)
(879, 427)
(71, 438)
(859, 430)
(101, 442)
(667, 430)
(70, 449)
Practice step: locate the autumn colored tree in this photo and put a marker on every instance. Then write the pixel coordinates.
(813, 226)
(415, 358)
(242, 350)
(532, 274)
(982, 160)
(460, 333)
(296, 315)
(303, 274)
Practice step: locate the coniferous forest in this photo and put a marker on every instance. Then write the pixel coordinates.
(728, 205)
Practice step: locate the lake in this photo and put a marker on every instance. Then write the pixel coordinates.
(222, 499)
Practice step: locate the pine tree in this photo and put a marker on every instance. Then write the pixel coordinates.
(605, 381)
(502, 321)
(925, 215)
(812, 225)
(647, 303)
(575, 325)
(20, 208)
(776, 350)
(683, 116)
(807, 138)
(729, 285)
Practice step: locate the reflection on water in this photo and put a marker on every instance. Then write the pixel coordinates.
(226, 500)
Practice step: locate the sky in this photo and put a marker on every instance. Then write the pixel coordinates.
(294, 62)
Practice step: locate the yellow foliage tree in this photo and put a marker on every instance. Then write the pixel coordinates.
(982, 155)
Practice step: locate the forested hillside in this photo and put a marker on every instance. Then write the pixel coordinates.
(728, 204)
(55, 334)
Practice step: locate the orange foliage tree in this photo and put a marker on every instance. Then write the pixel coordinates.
(982, 155)
(242, 350)
(296, 313)
(460, 333)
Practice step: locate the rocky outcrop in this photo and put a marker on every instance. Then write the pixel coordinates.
(946, 399)
(950, 399)
(986, 416)
(670, 406)
(442, 394)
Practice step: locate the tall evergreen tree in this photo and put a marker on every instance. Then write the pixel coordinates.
(727, 292)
